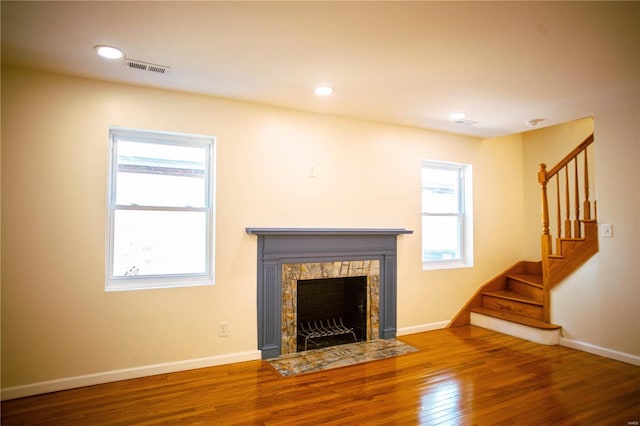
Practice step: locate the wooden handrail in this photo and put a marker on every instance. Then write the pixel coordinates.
(573, 154)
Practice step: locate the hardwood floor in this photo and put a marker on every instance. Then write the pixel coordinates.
(463, 376)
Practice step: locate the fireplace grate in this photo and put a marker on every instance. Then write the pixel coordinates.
(332, 327)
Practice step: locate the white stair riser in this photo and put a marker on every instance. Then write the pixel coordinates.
(543, 337)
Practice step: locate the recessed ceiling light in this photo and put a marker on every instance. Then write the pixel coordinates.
(461, 118)
(458, 116)
(323, 91)
(109, 52)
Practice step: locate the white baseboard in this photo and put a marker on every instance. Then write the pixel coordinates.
(597, 350)
(421, 328)
(543, 337)
(128, 373)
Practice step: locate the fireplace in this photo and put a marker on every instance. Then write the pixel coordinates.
(289, 256)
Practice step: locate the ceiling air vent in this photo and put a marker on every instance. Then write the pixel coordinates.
(146, 66)
(465, 122)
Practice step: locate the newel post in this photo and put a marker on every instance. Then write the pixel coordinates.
(545, 242)
(542, 178)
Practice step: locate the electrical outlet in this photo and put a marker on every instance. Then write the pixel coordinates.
(606, 230)
(223, 328)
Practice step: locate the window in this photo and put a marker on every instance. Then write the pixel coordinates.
(160, 210)
(447, 237)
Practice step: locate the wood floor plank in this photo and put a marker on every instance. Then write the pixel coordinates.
(464, 375)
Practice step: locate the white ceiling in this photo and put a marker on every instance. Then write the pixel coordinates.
(409, 63)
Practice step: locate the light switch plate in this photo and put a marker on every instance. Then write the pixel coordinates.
(223, 329)
(606, 230)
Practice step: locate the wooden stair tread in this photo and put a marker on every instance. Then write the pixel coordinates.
(512, 295)
(518, 319)
(535, 280)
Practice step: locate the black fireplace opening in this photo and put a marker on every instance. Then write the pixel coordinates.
(331, 311)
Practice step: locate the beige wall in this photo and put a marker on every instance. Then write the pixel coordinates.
(57, 320)
(598, 306)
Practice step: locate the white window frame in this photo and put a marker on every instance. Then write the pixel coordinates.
(134, 282)
(464, 215)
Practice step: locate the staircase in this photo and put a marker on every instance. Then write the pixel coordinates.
(517, 301)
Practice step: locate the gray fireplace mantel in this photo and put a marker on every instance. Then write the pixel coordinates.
(278, 246)
(328, 231)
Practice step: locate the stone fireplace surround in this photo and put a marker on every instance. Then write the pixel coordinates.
(292, 272)
(322, 253)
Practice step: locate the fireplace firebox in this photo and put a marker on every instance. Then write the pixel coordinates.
(289, 255)
(331, 311)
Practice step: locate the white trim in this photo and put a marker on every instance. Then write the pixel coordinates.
(422, 328)
(598, 350)
(124, 374)
(532, 334)
(464, 215)
(456, 264)
(118, 135)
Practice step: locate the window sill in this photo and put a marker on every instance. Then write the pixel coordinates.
(431, 266)
(152, 285)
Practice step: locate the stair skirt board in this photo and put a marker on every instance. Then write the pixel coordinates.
(543, 337)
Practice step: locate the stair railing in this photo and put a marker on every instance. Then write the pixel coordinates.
(565, 177)
(568, 186)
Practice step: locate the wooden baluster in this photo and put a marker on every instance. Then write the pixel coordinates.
(587, 203)
(577, 232)
(558, 215)
(567, 199)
